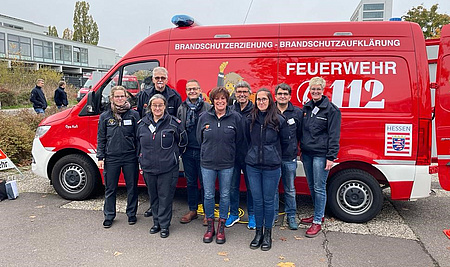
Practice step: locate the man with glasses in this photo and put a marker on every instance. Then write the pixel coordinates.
(293, 117)
(160, 79)
(243, 105)
(189, 112)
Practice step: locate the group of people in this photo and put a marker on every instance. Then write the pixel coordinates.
(218, 141)
(37, 97)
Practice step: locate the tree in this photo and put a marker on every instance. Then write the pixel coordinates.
(67, 34)
(52, 31)
(85, 29)
(430, 20)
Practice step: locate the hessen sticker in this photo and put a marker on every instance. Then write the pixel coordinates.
(398, 140)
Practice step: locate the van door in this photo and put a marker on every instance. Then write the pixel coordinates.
(141, 71)
(442, 109)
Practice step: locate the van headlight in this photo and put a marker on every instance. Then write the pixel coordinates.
(41, 130)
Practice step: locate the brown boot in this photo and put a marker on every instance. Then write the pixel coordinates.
(220, 238)
(205, 221)
(188, 217)
(208, 237)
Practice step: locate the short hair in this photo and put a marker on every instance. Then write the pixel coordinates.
(218, 91)
(154, 97)
(160, 69)
(283, 86)
(39, 80)
(243, 84)
(117, 88)
(317, 81)
(193, 81)
(61, 83)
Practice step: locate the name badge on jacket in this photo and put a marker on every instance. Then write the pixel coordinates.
(127, 122)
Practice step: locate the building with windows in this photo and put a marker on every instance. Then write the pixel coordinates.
(372, 10)
(29, 43)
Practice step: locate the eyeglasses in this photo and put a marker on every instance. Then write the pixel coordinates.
(162, 78)
(192, 89)
(242, 92)
(119, 96)
(262, 100)
(283, 94)
(157, 105)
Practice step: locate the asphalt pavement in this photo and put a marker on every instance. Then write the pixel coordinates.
(42, 229)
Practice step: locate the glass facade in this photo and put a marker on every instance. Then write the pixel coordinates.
(80, 56)
(2, 45)
(373, 7)
(373, 15)
(63, 53)
(43, 50)
(19, 47)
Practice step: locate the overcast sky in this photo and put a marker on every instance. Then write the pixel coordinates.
(123, 24)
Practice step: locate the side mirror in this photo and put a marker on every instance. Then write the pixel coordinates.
(90, 104)
(89, 108)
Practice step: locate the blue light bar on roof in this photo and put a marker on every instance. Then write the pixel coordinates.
(182, 20)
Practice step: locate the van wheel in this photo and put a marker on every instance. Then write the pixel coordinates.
(75, 177)
(354, 196)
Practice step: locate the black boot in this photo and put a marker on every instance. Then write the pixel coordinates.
(256, 242)
(267, 239)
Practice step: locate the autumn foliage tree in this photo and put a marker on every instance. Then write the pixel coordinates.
(85, 29)
(67, 34)
(52, 31)
(430, 20)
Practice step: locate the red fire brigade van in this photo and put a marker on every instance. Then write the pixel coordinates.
(376, 73)
(442, 109)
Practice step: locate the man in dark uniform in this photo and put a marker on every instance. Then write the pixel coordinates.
(188, 113)
(294, 119)
(38, 98)
(61, 96)
(243, 106)
(160, 79)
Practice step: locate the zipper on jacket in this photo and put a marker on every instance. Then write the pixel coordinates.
(154, 135)
(261, 145)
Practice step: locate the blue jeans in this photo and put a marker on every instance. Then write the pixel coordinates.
(288, 173)
(192, 172)
(39, 110)
(263, 184)
(235, 193)
(316, 175)
(209, 185)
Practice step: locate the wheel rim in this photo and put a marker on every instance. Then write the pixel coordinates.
(72, 178)
(354, 197)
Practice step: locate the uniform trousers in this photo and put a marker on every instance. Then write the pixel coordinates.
(161, 189)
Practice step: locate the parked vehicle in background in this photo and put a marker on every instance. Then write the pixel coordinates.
(376, 72)
(130, 83)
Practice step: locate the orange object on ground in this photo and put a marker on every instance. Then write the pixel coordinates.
(447, 232)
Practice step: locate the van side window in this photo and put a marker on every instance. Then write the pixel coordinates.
(134, 77)
(137, 77)
(112, 81)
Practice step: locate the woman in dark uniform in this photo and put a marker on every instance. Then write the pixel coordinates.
(116, 152)
(160, 137)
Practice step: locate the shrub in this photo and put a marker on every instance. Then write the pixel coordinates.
(17, 130)
(17, 82)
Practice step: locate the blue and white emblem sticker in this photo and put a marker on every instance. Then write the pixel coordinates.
(398, 140)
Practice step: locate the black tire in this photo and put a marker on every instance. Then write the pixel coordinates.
(75, 177)
(354, 196)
